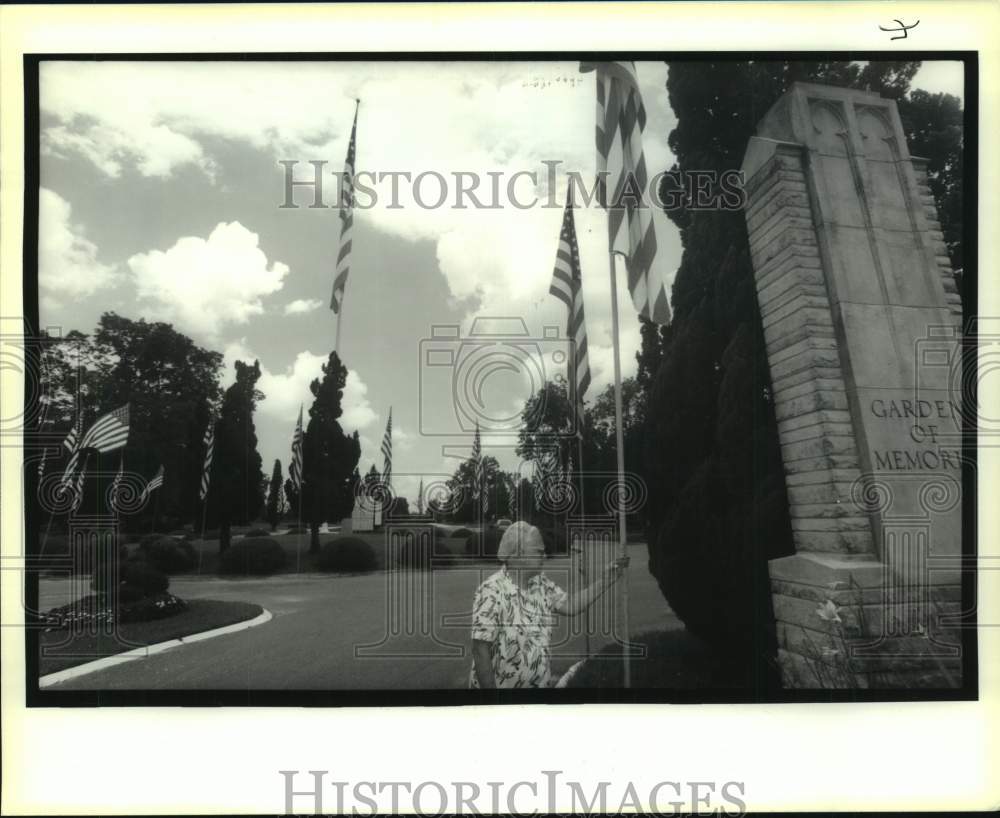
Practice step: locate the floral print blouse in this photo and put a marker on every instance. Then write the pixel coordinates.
(518, 625)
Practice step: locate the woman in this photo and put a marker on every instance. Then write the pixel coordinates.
(514, 612)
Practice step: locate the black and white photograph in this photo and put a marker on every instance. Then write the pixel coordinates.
(394, 378)
(512, 375)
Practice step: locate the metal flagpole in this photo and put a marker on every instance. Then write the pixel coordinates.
(620, 445)
(584, 567)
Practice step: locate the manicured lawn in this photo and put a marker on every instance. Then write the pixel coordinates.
(201, 615)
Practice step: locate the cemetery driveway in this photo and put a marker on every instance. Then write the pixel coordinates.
(382, 631)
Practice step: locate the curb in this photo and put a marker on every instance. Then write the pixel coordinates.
(149, 650)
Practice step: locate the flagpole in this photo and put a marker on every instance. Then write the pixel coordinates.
(585, 573)
(340, 320)
(620, 445)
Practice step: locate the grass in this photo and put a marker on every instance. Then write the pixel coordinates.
(674, 660)
(201, 615)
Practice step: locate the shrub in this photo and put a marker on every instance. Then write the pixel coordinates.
(484, 543)
(168, 554)
(461, 533)
(142, 578)
(255, 556)
(258, 532)
(347, 555)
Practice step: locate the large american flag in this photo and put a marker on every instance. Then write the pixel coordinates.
(206, 469)
(346, 223)
(387, 451)
(295, 469)
(567, 286)
(110, 432)
(621, 169)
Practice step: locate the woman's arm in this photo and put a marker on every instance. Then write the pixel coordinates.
(482, 661)
(571, 606)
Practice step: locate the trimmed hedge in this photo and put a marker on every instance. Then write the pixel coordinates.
(461, 533)
(254, 556)
(167, 553)
(347, 555)
(143, 578)
(258, 532)
(485, 543)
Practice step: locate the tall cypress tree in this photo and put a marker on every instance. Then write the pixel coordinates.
(274, 495)
(329, 456)
(235, 491)
(718, 507)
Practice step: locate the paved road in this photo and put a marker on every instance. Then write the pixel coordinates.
(397, 630)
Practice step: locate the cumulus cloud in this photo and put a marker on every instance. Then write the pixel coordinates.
(301, 305)
(201, 285)
(358, 412)
(67, 260)
(286, 390)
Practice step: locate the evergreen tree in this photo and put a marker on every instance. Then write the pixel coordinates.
(291, 499)
(274, 496)
(329, 456)
(718, 507)
(235, 492)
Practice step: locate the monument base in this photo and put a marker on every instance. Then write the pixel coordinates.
(847, 621)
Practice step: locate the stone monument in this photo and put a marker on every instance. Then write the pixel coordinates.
(862, 322)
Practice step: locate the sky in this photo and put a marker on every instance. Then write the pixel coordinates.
(161, 199)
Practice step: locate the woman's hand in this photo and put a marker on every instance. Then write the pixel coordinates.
(614, 570)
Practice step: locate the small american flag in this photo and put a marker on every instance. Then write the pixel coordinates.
(118, 477)
(70, 444)
(295, 469)
(78, 486)
(567, 286)
(110, 432)
(206, 471)
(387, 451)
(153, 484)
(621, 172)
(346, 222)
(479, 474)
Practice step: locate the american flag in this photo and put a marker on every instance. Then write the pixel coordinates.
(153, 484)
(621, 172)
(295, 469)
(387, 451)
(118, 477)
(567, 286)
(70, 444)
(544, 467)
(479, 473)
(346, 223)
(78, 486)
(206, 470)
(110, 432)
